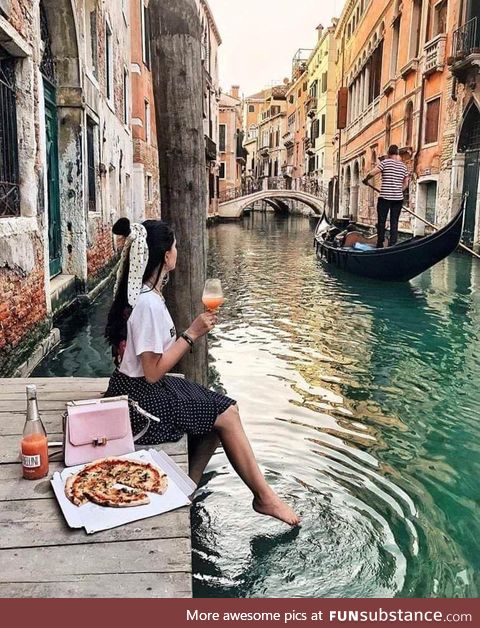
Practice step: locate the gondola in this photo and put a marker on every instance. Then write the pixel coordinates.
(400, 262)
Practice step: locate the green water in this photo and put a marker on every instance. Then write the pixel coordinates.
(362, 403)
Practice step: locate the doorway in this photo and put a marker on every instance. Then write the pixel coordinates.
(47, 67)
(469, 144)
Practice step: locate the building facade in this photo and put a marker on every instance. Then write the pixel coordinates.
(146, 176)
(211, 42)
(232, 154)
(272, 126)
(294, 136)
(397, 94)
(67, 166)
(464, 62)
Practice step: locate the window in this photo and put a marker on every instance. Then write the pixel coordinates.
(149, 187)
(375, 64)
(9, 175)
(431, 201)
(275, 110)
(388, 132)
(408, 123)
(126, 96)
(223, 173)
(324, 123)
(251, 108)
(395, 47)
(108, 61)
(91, 178)
(222, 138)
(415, 32)
(277, 137)
(324, 82)
(432, 118)
(148, 123)
(92, 25)
(146, 35)
(437, 18)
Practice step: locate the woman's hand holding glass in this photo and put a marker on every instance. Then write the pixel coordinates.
(202, 325)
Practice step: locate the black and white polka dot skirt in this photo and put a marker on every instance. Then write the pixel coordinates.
(183, 407)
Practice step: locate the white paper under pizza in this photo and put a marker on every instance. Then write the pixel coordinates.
(95, 518)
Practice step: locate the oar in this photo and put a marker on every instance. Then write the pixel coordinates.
(430, 224)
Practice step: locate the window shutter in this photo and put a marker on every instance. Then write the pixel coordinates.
(342, 108)
(432, 120)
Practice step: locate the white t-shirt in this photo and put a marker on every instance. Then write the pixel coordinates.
(149, 328)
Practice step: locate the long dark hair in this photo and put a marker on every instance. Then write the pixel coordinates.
(160, 239)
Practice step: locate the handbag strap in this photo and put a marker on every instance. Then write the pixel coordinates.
(134, 404)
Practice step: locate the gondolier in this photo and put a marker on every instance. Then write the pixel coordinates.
(395, 180)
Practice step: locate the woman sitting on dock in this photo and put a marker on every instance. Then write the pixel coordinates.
(146, 348)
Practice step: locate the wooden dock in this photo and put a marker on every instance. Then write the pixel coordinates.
(41, 556)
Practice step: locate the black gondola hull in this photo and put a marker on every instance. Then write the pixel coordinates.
(401, 262)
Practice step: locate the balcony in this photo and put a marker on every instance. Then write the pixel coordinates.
(311, 106)
(364, 119)
(466, 50)
(264, 150)
(435, 55)
(210, 149)
(288, 140)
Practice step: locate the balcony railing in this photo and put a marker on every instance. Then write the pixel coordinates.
(288, 139)
(364, 119)
(210, 149)
(435, 54)
(311, 106)
(466, 40)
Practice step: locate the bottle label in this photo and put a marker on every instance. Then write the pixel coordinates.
(31, 462)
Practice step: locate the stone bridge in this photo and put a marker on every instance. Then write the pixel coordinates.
(233, 208)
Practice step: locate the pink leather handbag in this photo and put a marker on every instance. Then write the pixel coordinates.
(97, 428)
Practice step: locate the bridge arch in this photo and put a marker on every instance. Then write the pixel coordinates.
(234, 208)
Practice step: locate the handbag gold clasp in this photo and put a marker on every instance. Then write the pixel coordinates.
(99, 442)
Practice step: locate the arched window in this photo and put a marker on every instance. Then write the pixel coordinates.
(408, 123)
(388, 132)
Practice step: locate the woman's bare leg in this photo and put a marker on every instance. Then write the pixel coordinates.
(239, 452)
(202, 450)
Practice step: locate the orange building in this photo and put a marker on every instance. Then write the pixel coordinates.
(293, 139)
(272, 126)
(392, 57)
(146, 178)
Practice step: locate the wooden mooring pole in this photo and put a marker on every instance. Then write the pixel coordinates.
(178, 89)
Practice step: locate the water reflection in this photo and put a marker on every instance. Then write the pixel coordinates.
(351, 392)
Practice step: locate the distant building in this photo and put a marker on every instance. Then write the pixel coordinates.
(294, 137)
(320, 107)
(272, 126)
(232, 154)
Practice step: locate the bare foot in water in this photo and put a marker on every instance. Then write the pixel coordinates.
(273, 506)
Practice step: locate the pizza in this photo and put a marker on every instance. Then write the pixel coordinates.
(98, 482)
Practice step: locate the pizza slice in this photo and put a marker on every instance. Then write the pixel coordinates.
(105, 494)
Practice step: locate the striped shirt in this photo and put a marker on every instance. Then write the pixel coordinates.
(394, 172)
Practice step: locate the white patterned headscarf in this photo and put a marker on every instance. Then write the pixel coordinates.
(136, 243)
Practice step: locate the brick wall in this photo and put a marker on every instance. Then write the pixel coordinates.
(100, 254)
(22, 310)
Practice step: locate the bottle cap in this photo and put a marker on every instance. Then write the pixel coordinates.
(31, 391)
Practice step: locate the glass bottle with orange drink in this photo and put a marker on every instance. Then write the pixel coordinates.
(34, 444)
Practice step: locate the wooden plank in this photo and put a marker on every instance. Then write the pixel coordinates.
(48, 564)
(9, 447)
(12, 485)
(40, 523)
(144, 585)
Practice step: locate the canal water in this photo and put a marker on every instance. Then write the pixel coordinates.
(363, 406)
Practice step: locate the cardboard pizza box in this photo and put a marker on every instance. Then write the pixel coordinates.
(96, 518)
